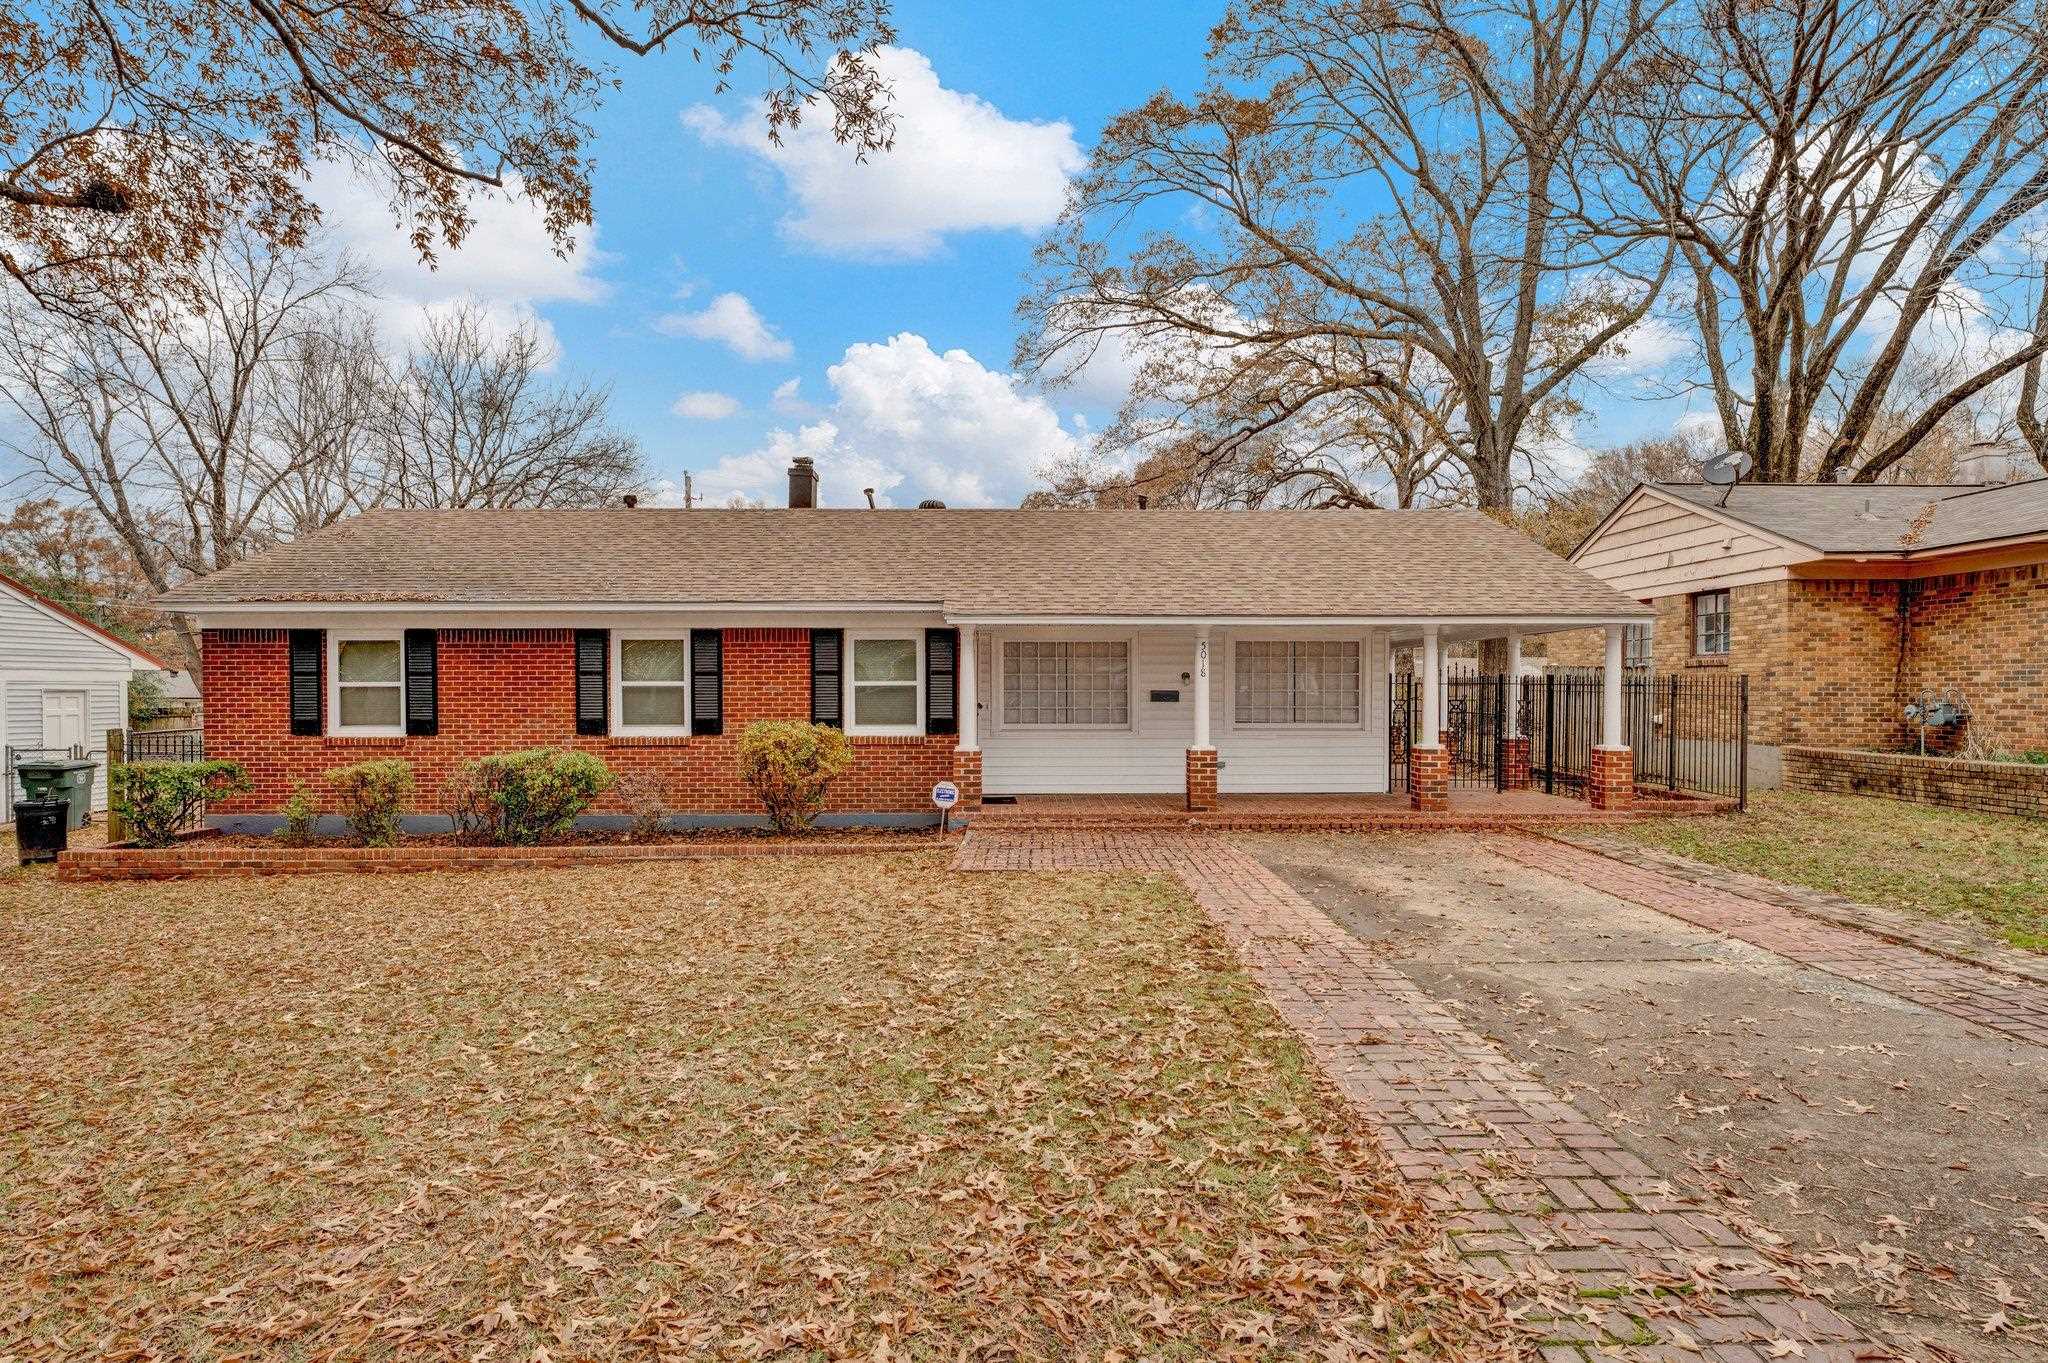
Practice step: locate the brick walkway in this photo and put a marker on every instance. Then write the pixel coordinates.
(1604, 1259)
(2002, 1002)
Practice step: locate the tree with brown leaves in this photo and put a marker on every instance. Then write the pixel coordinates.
(1357, 185)
(135, 133)
(1851, 189)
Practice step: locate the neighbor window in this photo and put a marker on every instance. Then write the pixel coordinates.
(369, 685)
(1297, 681)
(884, 681)
(1637, 646)
(653, 693)
(1710, 619)
(1067, 681)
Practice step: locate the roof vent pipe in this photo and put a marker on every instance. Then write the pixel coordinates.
(931, 504)
(869, 493)
(803, 483)
(1143, 501)
(631, 501)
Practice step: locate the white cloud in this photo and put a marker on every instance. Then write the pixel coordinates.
(912, 423)
(732, 321)
(704, 406)
(958, 165)
(791, 403)
(507, 264)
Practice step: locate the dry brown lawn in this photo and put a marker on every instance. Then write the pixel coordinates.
(781, 1109)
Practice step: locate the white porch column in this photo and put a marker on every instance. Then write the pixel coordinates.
(1611, 735)
(1511, 721)
(969, 733)
(1431, 667)
(1202, 687)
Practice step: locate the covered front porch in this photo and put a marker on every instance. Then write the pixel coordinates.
(1180, 717)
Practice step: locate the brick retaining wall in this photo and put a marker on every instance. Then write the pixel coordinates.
(1984, 787)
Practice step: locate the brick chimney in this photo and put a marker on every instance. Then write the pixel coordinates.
(803, 483)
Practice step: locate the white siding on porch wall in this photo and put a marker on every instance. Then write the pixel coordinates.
(1149, 757)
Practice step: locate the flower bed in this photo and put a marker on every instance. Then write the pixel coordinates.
(208, 854)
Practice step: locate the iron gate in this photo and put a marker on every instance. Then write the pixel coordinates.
(1689, 733)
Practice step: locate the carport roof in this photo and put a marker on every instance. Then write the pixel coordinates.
(1435, 564)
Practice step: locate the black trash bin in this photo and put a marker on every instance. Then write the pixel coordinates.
(41, 829)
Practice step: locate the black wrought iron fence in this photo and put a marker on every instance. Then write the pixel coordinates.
(1689, 733)
(164, 745)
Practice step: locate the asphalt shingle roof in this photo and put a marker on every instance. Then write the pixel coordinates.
(1857, 518)
(1282, 564)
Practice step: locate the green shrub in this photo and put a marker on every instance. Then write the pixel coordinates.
(372, 795)
(300, 816)
(520, 798)
(160, 800)
(789, 764)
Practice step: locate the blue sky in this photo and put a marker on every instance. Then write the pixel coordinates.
(747, 304)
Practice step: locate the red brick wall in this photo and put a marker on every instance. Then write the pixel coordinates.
(505, 689)
(1984, 635)
(1824, 660)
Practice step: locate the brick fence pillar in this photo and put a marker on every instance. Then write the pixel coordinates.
(967, 776)
(1201, 779)
(1611, 780)
(1429, 779)
(1514, 756)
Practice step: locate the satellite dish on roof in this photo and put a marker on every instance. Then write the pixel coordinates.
(1729, 466)
(1725, 470)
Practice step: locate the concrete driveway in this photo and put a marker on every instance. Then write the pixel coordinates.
(1899, 1154)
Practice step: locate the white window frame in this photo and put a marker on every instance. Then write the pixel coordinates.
(1365, 697)
(1002, 682)
(616, 700)
(335, 639)
(853, 637)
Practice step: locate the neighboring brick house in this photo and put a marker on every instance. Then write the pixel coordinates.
(1021, 652)
(1843, 603)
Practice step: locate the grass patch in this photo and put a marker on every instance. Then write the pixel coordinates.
(782, 1110)
(1988, 867)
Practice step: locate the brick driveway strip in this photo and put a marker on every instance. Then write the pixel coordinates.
(1992, 999)
(1603, 1258)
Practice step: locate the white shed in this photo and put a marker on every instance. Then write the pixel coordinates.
(63, 684)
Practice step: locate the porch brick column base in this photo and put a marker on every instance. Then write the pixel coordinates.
(1611, 779)
(967, 776)
(1514, 754)
(1201, 779)
(1429, 779)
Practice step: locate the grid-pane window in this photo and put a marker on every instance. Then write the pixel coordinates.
(1297, 681)
(1710, 624)
(884, 683)
(1066, 681)
(1637, 646)
(370, 684)
(651, 683)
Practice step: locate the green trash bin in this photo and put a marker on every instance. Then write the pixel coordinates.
(62, 778)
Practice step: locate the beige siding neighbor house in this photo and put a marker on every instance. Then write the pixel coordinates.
(1844, 603)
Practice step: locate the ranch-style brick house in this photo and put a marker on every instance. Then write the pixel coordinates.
(1843, 603)
(1017, 652)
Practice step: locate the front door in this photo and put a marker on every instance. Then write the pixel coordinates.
(64, 720)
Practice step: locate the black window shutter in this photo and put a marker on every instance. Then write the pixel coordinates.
(707, 681)
(422, 683)
(308, 695)
(828, 647)
(593, 689)
(942, 681)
